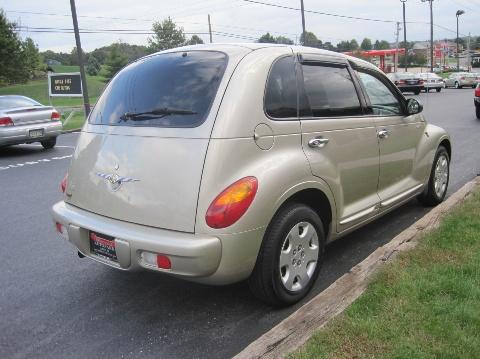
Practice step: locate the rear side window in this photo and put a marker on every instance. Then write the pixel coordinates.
(330, 91)
(281, 92)
(167, 90)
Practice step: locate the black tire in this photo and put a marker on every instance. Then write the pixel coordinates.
(429, 197)
(417, 92)
(439, 89)
(265, 281)
(457, 85)
(477, 112)
(427, 90)
(50, 143)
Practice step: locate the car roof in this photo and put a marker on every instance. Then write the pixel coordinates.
(231, 47)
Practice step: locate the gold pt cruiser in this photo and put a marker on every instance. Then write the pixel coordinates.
(220, 163)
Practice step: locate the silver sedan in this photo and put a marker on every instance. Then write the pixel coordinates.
(23, 120)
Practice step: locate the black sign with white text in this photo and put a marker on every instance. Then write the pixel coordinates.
(64, 84)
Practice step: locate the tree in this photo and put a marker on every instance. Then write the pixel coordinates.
(194, 40)
(167, 36)
(354, 44)
(329, 46)
(31, 57)
(344, 46)
(93, 65)
(366, 44)
(115, 62)
(283, 40)
(267, 38)
(310, 39)
(383, 45)
(12, 62)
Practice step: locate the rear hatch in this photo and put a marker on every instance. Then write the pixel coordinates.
(140, 157)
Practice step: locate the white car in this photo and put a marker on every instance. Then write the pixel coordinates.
(431, 81)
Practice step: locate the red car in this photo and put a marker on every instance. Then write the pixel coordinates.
(476, 100)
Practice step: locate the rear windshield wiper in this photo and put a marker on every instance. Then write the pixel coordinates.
(156, 113)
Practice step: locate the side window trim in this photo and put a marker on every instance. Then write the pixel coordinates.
(393, 89)
(328, 63)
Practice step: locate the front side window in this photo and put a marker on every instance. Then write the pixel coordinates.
(330, 91)
(383, 101)
(281, 92)
(166, 90)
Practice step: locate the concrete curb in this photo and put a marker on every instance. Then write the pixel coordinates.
(295, 330)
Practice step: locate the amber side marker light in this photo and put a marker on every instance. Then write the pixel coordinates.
(232, 203)
(63, 184)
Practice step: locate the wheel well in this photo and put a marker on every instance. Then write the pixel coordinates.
(446, 143)
(318, 201)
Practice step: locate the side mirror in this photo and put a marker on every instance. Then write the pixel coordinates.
(414, 107)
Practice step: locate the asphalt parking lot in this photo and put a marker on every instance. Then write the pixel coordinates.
(56, 305)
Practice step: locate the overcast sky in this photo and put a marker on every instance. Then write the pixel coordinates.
(237, 18)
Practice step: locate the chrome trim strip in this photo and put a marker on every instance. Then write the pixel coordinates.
(358, 215)
(398, 197)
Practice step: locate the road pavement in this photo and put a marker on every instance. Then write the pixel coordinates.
(56, 305)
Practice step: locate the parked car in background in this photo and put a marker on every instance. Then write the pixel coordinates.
(431, 81)
(461, 79)
(476, 101)
(23, 120)
(407, 82)
(224, 162)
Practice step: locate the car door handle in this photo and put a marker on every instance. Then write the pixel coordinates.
(318, 142)
(383, 133)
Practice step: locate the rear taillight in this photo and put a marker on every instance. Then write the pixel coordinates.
(477, 91)
(6, 121)
(401, 81)
(63, 184)
(55, 115)
(420, 82)
(232, 203)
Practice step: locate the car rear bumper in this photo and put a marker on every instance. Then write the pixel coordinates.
(190, 255)
(476, 101)
(216, 260)
(411, 88)
(437, 85)
(11, 135)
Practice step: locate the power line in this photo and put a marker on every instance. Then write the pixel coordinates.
(319, 12)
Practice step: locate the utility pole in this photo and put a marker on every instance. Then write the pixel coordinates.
(431, 33)
(469, 62)
(458, 13)
(397, 34)
(210, 28)
(303, 24)
(405, 59)
(86, 101)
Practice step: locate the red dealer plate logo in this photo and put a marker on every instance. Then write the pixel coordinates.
(103, 246)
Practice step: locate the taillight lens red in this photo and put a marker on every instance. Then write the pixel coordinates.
(55, 115)
(63, 184)
(420, 82)
(232, 203)
(401, 81)
(477, 91)
(6, 121)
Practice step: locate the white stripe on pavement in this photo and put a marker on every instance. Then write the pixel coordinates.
(29, 163)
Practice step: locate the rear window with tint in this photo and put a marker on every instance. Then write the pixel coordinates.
(10, 102)
(184, 82)
(330, 91)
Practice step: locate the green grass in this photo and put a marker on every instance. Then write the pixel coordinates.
(38, 89)
(426, 304)
(75, 122)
